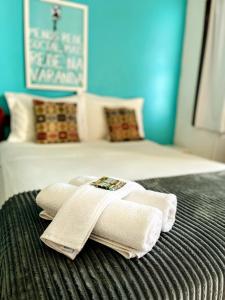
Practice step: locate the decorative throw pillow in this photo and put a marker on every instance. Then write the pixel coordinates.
(122, 124)
(55, 122)
(22, 127)
(96, 122)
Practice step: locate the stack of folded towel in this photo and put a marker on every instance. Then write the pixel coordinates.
(128, 220)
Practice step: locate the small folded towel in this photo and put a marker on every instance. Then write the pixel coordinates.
(129, 228)
(75, 220)
(166, 203)
(140, 224)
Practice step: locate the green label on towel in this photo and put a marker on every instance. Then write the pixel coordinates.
(108, 183)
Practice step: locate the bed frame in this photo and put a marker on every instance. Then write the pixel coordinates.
(4, 123)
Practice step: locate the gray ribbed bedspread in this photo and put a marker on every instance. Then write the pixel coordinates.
(186, 263)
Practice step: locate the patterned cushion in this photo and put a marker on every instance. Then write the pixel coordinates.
(122, 124)
(56, 122)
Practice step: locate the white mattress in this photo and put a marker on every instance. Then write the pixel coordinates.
(29, 166)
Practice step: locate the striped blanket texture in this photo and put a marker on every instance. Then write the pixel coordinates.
(186, 263)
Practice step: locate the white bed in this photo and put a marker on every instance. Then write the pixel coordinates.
(29, 166)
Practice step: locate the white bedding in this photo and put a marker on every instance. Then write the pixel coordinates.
(29, 166)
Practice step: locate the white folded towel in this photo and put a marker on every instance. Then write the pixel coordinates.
(77, 217)
(129, 228)
(166, 203)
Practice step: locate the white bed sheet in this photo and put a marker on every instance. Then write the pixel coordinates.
(29, 166)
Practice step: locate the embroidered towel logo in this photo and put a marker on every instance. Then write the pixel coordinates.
(108, 183)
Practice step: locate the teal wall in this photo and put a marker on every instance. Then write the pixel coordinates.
(134, 50)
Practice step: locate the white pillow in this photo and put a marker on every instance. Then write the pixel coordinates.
(96, 121)
(22, 115)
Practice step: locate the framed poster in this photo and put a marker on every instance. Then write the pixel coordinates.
(56, 45)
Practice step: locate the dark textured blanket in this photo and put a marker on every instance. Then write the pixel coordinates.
(186, 263)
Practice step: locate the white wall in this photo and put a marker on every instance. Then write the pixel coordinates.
(199, 141)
